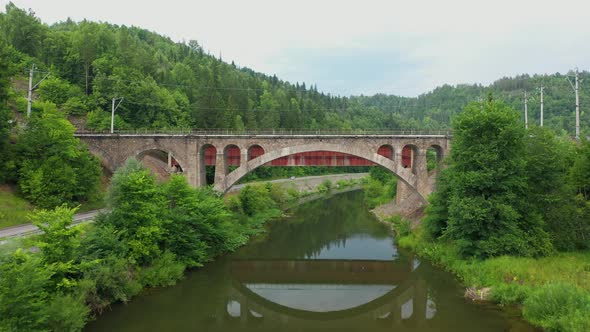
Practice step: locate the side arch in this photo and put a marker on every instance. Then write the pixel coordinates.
(405, 175)
(103, 157)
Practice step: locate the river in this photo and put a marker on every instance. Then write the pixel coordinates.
(330, 265)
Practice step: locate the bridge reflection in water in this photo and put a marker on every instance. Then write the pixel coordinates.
(316, 294)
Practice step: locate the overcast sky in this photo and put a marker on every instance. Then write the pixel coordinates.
(396, 47)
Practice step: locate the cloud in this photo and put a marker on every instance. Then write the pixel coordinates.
(401, 47)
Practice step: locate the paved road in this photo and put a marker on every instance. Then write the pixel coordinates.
(28, 229)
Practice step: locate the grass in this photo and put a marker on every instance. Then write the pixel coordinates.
(13, 209)
(553, 291)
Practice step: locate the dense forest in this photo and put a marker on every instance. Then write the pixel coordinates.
(169, 84)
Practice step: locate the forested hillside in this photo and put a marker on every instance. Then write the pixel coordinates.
(169, 84)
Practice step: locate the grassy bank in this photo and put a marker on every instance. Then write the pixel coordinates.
(553, 291)
(13, 209)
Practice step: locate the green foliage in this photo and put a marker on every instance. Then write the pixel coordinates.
(76, 106)
(401, 226)
(136, 204)
(510, 293)
(284, 172)
(196, 223)
(164, 271)
(6, 116)
(66, 313)
(437, 212)
(380, 187)
(100, 120)
(24, 292)
(54, 167)
(14, 209)
(558, 307)
(487, 215)
(324, 187)
(59, 240)
(256, 199)
(109, 281)
(58, 91)
(23, 30)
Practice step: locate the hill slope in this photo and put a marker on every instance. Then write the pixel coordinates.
(169, 84)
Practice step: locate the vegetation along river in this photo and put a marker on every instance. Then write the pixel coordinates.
(329, 266)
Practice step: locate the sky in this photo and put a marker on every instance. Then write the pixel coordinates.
(362, 47)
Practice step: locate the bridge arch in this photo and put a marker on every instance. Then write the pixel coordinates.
(405, 175)
(165, 163)
(386, 151)
(409, 157)
(254, 151)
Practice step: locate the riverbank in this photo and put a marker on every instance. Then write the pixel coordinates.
(553, 292)
(307, 183)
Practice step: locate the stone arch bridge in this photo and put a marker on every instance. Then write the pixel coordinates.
(188, 152)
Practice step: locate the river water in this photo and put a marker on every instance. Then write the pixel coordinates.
(330, 266)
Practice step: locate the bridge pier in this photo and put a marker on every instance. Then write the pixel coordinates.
(221, 167)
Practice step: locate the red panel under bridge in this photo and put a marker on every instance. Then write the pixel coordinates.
(315, 158)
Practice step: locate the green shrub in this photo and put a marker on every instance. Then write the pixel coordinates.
(559, 307)
(255, 199)
(111, 280)
(234, 204)
(164, 271)
(401, 226)
(324, 187)
(66, 313)
(24, 291)
(279, 194)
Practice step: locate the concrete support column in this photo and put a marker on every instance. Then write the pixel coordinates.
(221, 169)
(191, 172)
(421, 171)
(200, 173)
(243, 156)
(188, 162)
(403, 192)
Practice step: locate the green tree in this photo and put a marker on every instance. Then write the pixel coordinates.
(59, 240)
(135, 204)
(23, 30)
(54, 167)
(24, 292)
(6, 116)
(488, 213)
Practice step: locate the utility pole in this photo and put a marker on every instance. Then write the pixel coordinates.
(113, 109)
(542, 88)
(576, 88)
(526, 111)
(32, 88)
(577, 105)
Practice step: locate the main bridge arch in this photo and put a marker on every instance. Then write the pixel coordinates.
(406, 175)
